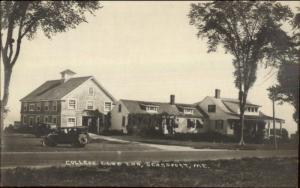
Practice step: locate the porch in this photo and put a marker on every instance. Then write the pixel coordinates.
(96, 121)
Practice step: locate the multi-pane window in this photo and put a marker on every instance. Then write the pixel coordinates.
(38, 106)
(24, 119)
(54, 119)
(90, 105)
(54, 106)
(188, 111)
(31, 107)
(25, 106)
(211, 108)
(46, 119)
(219, 124)
(71, 122)
(72, 104)
(152, 109)
(91, 91)
(46, 106)
(38, 119)
(107, 106)
(31, 121)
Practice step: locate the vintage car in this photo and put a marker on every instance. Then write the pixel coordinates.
(76, 136)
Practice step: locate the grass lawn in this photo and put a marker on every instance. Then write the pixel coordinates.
(29, 143)
(247, 172)
(205, 145)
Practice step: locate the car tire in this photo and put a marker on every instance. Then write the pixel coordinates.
(82, 140)
(48, 141)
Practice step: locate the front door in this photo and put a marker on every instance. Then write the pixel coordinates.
(90, 122)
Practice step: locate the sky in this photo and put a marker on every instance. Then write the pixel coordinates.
(142, 51)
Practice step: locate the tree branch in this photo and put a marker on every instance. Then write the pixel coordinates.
(19, 40)
(10, 28)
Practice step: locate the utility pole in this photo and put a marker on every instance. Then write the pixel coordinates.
(274, 129)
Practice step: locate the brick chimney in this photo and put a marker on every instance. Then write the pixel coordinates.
(67, 74)
(217, 93)
(172, 99)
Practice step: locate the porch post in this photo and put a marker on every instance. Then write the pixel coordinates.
(269, 129)
(98, 126)
(280, 128)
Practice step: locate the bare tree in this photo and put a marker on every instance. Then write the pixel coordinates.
(248, 30)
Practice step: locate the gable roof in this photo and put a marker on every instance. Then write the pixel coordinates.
(56, 89)
(136, 107)
(227, 105)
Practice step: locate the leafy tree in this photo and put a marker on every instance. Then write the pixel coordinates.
(287, 89)
(248, 30)
(22, 19)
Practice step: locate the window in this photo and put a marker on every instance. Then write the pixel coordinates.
(90, 105)
(72, 104)
(38, 119)
(190, 123)
(120, 108)
(231, 126)
(46, 119)
(24, 119)
(31, 121)
(107, 106)
(211, 108)
(54, 119)
(123, 121)
(54, 106)
(71, 122)
(255, 109)
(31, 107)
(46, 106)
(188, 111)
(38, 106)
(199, 125)
(152, 109)
(25, 106)
(91, 91)
(219, 124)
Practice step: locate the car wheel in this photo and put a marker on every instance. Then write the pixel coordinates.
(48, 141)
(82, 140)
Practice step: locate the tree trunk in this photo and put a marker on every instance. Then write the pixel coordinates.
(242, 120)
(242, 98)
(4, 100)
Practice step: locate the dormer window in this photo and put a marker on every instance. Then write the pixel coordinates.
(188, 111)
(152, 109)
